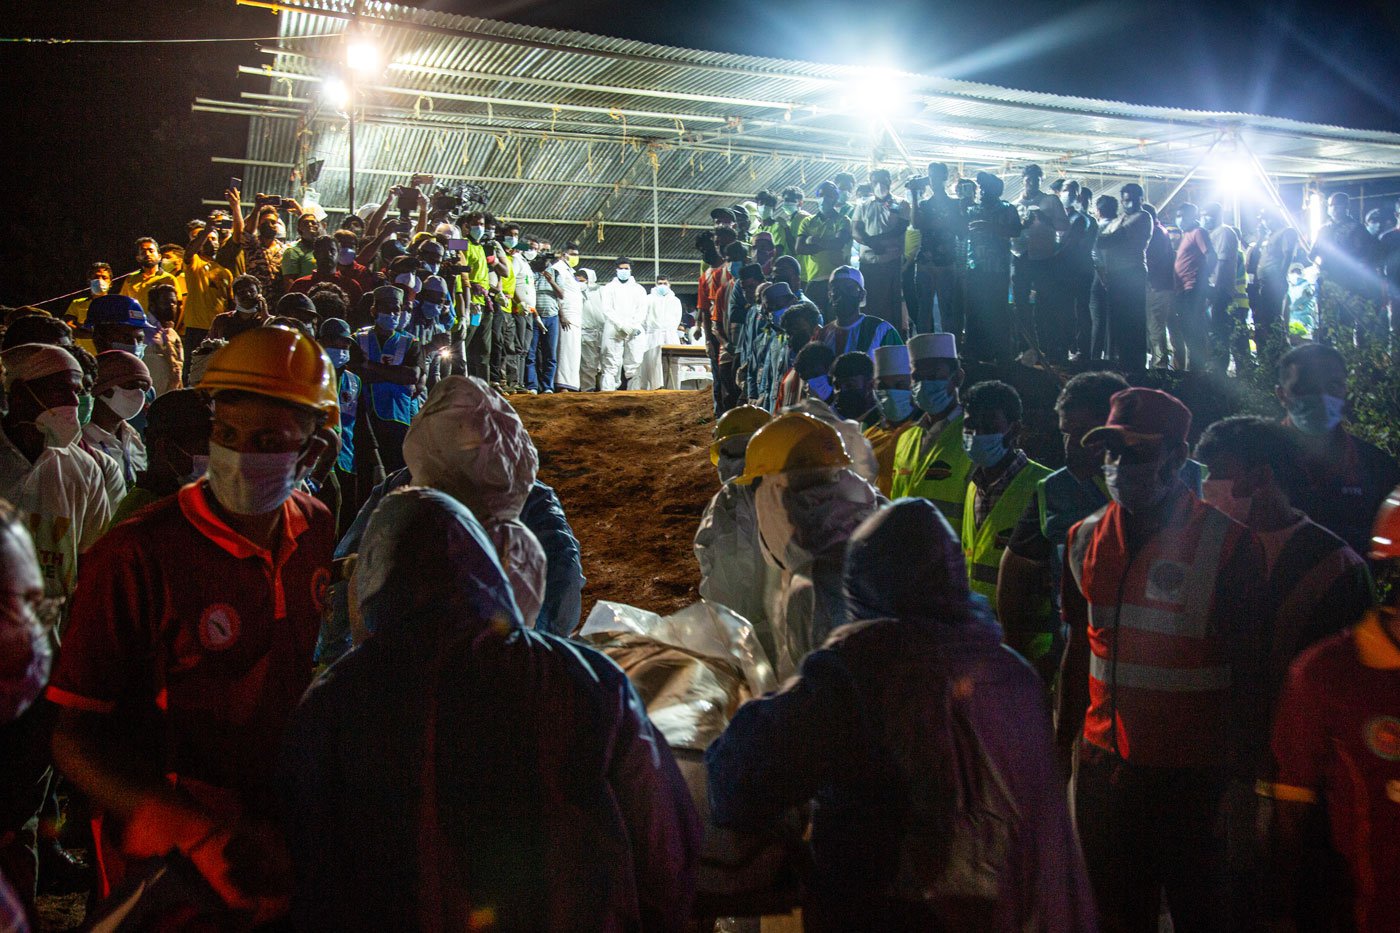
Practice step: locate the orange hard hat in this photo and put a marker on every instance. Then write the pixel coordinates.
(280, 363)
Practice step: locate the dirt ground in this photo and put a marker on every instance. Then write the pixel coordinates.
(633, 471)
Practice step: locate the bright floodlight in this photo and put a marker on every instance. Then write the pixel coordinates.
(1315, 214)
(336, 93)
(1235, 174)
(362, 55)
(876, 94)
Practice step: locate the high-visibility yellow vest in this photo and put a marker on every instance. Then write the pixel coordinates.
(983, 546)
(941, 475)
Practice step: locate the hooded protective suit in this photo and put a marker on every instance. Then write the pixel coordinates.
(663, 319)
(468, 442)
(624, 307)
(733, 571)
(804, 519)
(570, 327)
(590, 365)
(456, 764)
(927, 745)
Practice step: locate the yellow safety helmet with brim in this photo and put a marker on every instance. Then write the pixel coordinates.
(738, 421)
(279, 363)
(794, 441)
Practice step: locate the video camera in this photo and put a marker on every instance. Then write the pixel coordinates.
(917, 184)
(448, 203)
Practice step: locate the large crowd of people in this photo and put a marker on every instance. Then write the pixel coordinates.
(291, 629)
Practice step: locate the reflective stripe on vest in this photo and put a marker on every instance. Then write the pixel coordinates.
(349, 405)
(391, 401)
(1175, 679)
(946, 460)
(1152, 633)
(983, 546)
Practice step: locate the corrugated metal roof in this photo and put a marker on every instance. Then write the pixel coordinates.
(578, 126)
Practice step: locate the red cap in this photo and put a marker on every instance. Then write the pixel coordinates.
(1144, 415)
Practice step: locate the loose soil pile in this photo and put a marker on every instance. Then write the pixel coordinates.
(633, 471)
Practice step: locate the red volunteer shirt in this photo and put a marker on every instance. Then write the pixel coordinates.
(1336, 740)
(198, 640)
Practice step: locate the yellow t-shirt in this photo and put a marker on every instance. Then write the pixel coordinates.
(209, 288)
(139, 286)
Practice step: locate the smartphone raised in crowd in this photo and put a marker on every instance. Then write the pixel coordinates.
(235, 184)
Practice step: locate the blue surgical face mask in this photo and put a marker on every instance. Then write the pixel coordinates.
(896, 405)
(387, 320)
(933, 396)
(624, 274)
(510, 241)
(661, 290)
(1316, 415)
(985, 450)
(820, 386)
(340, 356)
(431, 268)
(431, 310)
(345, 256)
(137, 350)
(477, 232)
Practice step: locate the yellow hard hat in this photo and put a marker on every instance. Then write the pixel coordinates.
(795, 441)
(745, 419)
(277, 362)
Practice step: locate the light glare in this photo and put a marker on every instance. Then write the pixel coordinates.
(362, 55)
(336, 93)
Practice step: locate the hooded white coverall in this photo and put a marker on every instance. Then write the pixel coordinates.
(624, 313)
(662, 321)
(566, 376)
(468, 442)
(591, 336)
(805, 518)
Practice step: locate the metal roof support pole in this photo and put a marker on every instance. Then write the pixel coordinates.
(655, 224)
(1185, 179)
(1274, 194)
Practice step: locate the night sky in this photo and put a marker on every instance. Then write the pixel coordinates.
(103, 146)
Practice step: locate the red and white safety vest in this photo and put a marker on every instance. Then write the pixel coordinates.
(1159, 673)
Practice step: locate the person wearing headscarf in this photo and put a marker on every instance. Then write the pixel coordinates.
(458, 771)
(927, 746)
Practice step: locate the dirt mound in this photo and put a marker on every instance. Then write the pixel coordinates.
(633, 471)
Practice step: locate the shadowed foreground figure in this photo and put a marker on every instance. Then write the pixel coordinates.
(457, 771)
(926, 746)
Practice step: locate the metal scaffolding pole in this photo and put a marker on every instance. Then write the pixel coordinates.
(655, 225)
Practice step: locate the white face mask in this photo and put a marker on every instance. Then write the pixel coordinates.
(1137, 487)
(243, 309)
(624, 274)
(1219, 493)
(530, 254)
(252, 483)
(125, 403)
(31, 648)
(99, 286)
(60, 426)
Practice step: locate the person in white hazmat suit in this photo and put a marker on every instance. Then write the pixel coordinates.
(468, 442)
(663, 322)
(590, 366)
(808, 503)
(624, 311)
(733, 572)
(566, 375)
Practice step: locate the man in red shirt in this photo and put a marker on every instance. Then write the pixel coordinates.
(1195, 258)
(192, 633)
(329, 270)
(1336, 743)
